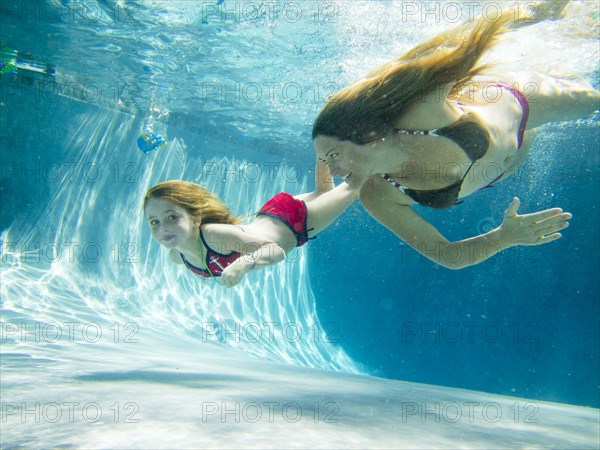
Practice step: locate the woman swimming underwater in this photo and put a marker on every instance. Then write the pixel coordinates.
(435, 126)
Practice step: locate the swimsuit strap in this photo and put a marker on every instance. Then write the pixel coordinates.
(393, 182)
(524, 106)
(417, 132)
(426, 132)
(202, 254)
(194, 269)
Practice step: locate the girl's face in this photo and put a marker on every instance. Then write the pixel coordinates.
(171, 225)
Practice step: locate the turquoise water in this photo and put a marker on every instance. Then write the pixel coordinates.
(234, 88)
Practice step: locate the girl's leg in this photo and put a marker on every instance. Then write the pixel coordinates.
(323, 208)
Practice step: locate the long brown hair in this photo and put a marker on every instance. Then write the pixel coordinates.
(198, 201)
(365, 111)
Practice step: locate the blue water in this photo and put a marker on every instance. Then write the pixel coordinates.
(523, 323)
(236, 86)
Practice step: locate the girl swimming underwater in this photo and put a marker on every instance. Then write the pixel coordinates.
(200, 232)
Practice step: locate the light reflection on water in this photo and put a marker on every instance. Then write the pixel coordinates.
(219, 72)
(256, 67)
(90, 259)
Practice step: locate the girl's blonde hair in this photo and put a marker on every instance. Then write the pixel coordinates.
(365, 111)
(198, 201)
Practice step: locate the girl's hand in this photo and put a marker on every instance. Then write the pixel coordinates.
(233, 274)
(532, 229)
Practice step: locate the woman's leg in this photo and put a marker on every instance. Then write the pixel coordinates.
(553, 99)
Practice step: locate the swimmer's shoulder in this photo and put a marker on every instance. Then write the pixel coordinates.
(220, 231)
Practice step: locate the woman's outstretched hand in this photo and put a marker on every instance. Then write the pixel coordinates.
(532, 229)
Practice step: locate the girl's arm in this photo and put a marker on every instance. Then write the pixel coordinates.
(529, 229)
(256, 252)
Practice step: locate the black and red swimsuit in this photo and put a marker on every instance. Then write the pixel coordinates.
(284, 207)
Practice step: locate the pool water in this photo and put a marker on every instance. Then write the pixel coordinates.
(105, 344)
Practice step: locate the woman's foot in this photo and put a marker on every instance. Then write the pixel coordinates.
(550, 10)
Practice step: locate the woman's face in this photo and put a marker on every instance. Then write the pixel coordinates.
(171, 225)
(344, 158)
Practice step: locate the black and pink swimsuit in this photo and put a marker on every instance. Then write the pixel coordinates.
(473, 139)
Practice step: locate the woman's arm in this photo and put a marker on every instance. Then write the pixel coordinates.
(529, 229)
